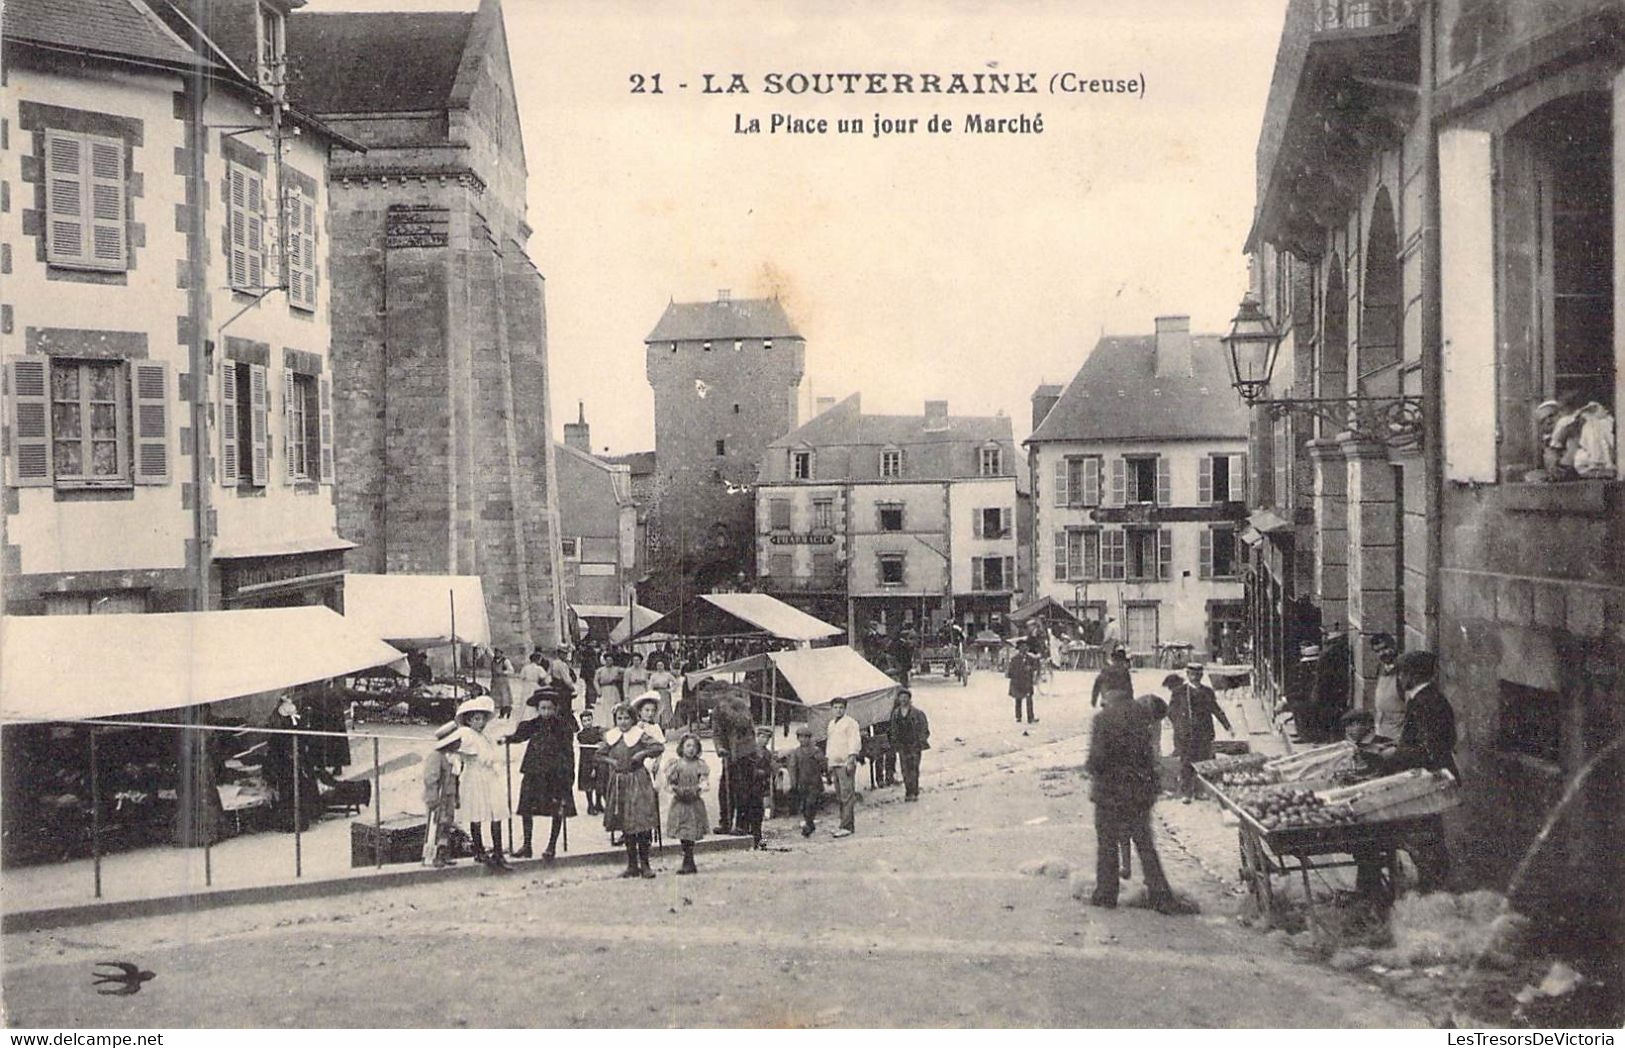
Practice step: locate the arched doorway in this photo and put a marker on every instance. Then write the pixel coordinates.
(1379, 349)
(1334, 335)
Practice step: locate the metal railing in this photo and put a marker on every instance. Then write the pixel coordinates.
(1361, 14)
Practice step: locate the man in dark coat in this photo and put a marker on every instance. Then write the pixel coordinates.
(910, 734)
(1123, 787)
(1192, 710)
(1023, 674)
(1334, 683)
(1428, 740)
(1113, 678)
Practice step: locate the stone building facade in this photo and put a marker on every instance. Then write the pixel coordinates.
(597, 521)
(440, 331)
(727, 383)
(1437, 218)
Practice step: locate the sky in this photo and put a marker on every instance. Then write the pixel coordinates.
(959, 267)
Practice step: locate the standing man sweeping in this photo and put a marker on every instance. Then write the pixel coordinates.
(842, 748)
(1123, 786)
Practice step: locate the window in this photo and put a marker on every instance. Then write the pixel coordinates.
(779, 514)
(1077, 554)
(736, 409)
(823, 565)
(115, 602)
(1141, 627)
(1530, 722)
(993, 574)
(247, 217)
(992, 524)
(767, 343)
(1113, 554)
(891, 517)
(1077, 481)
(706, 346)
(891, 463)
(891, 569)
(301, 417)
(782, 565)
(1220, 559)
(271, 36)
(801, 465)
(739, 344)
(85, 198)
(1149, 553)
(823, 515)
(1222, 478)
(570, 548)
(245, 425)
(722, 448)
(1141, 478)
(299, 214)
(89, 423)
(992, 462)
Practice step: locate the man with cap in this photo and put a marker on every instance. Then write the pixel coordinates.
(910, 734)
(1123, 787)
(1192, 710)
(1023, 673)
(841, 748)
(807, 768)
(1113, 678)
(1428, 740)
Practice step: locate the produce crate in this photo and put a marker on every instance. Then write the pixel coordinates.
(1403, 795)
(401, 837)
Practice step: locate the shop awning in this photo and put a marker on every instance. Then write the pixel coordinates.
(739, 615)
(279, 547)
(817, 677)
(60, 667)
(641, 617)
(416, 611)
(613, 612)
(1047, 607)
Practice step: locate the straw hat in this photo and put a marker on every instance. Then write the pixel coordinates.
(644, 699)
(446, 736)
(482, 704)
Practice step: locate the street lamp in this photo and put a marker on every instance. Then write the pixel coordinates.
(1253, 345)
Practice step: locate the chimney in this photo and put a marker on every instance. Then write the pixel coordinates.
(822, 404)
(1173, 353)
(1045, 397)
(577, 434)
(936, 416)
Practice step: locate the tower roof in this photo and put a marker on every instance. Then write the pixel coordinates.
(724, 318)
(377, 62)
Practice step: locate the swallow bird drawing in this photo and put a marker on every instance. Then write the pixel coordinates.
(126, 979)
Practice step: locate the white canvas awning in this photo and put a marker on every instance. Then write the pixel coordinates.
(741, 614)
(819, 676)
(60, 667)
(641, 617)
(415, 611)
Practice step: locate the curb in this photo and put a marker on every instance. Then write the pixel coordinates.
(96, 912)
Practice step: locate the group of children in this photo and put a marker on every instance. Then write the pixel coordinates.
(617, 769)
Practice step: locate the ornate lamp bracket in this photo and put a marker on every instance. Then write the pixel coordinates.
(1395, 422)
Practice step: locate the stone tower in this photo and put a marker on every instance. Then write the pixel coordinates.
(439, 334)
(727, 383)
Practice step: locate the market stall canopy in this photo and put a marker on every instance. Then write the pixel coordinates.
(415, 611)
(819, 676)
(61, 667)
(640, 618)
(1047, 608)
(738, 615)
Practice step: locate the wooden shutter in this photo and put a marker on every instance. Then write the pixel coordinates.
(1165, 553)
(1204, 480)
(1090, 548)
(1238, 477)
(976, 573)
(258, 412)
(1060, 555)
(1113, 554)
(1004, 522)
(1074, 555)
(228, 424)
(1206, 567)
(65, 193)
(1467, 250)
(1060, 482)
(290, 398)
(325, 392)
(307, 249)
(106, 209)
(255, 209)
(1091, 481)
(237, 207)
(1165, 482)
(1119, 482)
(149, 397)
(1009, 573)
(292, 214)
(29, 380)
(976, 524)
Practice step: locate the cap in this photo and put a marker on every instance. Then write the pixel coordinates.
(804, 729)
(482, 704)
(1197, 666)
(1354, 716)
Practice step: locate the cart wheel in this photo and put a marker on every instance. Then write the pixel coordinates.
(1257, 874)
(964, 674)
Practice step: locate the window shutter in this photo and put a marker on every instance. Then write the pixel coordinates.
(1207, 553)
(1204, 480)
(255, 209)
(1060, 556)
(29, 382)
(149, 381)
(1091, 554)
(1238, 477)
(259, 410)
(308, 252)
(976, 573)
(1119, 482)
(107, 202)
(1074, 555)
(1091, 482)
(290, 393)
(1009, 574)
(1113, 554)
(1165, 553)
(976, 525)
(228, 424)
(239, 227)
(325, 392)
(292, 214)
(1060, 482)
(1004, 523)
(1165, 482)
(64, 156)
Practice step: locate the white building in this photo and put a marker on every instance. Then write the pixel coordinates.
(891, 520)
(122, 274)
(1139, 489)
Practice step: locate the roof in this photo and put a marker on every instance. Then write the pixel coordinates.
(1117, 396)
(819, 676)
(117, 28)
(739, 614)
(848, 445)
(60, 666)
(726, 318)
(1046, 607)
(418, 611)
(376, 62)
(639, 462)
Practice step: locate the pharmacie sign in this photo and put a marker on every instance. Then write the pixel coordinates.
(803, 539)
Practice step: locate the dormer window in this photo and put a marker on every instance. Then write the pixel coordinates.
(992, 461)
(891, 462)
(801, 465)
(706, 346)
(270, 30)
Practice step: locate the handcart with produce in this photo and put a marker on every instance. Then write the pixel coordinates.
(1308, 812)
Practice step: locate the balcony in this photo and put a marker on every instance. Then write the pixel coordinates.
(1361, 14)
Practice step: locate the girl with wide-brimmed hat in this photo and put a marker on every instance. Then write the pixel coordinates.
(479, 786)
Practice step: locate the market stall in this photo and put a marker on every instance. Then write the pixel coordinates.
(807, 680)
(418, 614)
(1316, 810)
(740, 615)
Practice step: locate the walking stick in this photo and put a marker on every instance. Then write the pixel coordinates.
(507, 759)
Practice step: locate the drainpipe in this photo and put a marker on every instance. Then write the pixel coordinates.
(197, 91)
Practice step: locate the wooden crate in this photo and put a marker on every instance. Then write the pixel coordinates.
(401, 838)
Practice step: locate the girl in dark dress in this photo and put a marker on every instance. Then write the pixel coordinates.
(630, 806)
(548, 769)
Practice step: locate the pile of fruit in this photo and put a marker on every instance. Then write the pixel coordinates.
(1215, 769)
(1255, 777)
(1279, 809)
